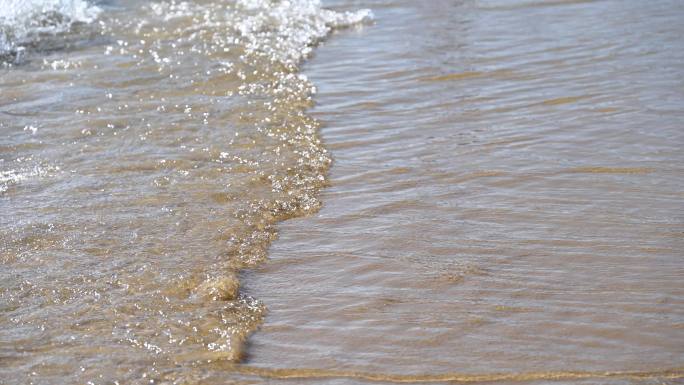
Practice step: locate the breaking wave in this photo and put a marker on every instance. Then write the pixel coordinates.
(24, 22)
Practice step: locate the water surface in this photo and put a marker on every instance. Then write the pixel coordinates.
(506, 195)
(504, 205)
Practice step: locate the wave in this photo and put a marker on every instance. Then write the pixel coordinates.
(212, 88)
(24, 22)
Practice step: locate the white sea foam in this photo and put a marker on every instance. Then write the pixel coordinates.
(22, 22)
(285, 31)
(281, 31)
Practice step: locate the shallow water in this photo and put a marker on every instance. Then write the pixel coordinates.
(506, 195)
(505, 202)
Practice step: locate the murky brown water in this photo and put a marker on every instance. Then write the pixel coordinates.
(505, 203)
